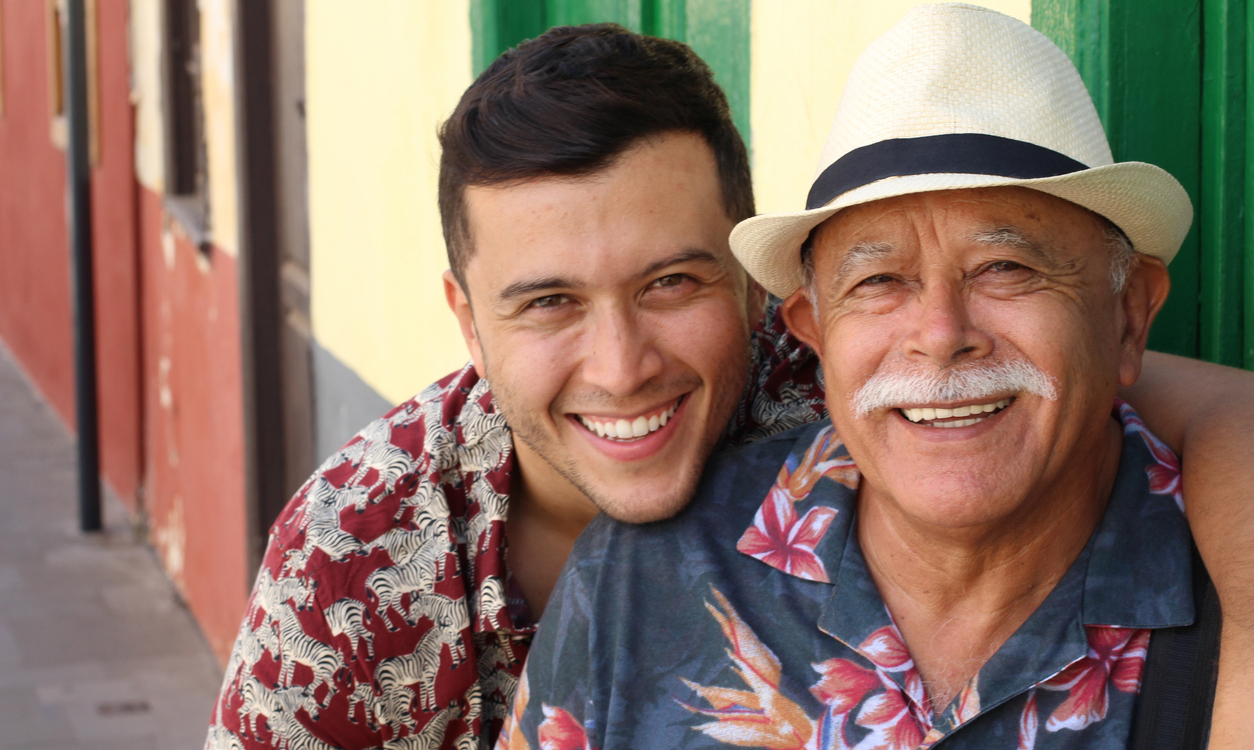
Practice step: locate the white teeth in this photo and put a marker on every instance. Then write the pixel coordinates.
(640, 427)
(927, 414)
(622, 429)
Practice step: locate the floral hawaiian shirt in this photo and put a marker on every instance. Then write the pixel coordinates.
(382, 614)
(753, 623)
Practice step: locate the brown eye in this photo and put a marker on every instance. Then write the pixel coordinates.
(674, 279)
(876, 280)
(551, 300)
(1005, 266)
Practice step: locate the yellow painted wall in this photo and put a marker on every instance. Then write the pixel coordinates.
(380, 77)
(217, 90)
(147, 45)
(802, 51)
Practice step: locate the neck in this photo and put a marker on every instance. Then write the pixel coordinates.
(546, 514)
(956, 595)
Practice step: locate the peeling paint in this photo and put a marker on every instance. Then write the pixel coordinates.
(170, 540)
(167, 246)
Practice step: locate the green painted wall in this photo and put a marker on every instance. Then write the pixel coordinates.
(717, 29)
(1169, 80)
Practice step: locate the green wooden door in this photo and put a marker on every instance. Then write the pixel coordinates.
(717, 29)
(1169, 81)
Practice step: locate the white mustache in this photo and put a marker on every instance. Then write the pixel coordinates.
(964, 383)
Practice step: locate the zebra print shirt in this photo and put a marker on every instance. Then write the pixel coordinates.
(380, 616)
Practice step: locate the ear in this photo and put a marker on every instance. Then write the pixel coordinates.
(459, 303)
(1144, 295)
(756, 300)
(801, 315)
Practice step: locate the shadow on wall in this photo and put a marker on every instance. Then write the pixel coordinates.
(343, 403)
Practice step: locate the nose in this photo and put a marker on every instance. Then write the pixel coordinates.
(624, 355)
(942, 332)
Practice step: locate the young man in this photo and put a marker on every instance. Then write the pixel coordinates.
(589, 181)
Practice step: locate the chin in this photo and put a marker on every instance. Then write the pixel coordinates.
(640, 508)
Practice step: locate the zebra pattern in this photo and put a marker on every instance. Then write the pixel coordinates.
(347, 617)
(299, 648)
(279, 708)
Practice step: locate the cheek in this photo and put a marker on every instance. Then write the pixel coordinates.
(715, 330)
(854, 347)
(527, 368)
(1061, 334)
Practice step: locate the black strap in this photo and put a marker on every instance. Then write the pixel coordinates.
(950, 153)
(1178, 687)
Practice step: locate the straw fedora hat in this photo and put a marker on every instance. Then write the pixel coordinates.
(957, 96)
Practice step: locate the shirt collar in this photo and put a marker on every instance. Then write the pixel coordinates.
(1134, 572)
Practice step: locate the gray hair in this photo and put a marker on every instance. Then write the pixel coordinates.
(1123, 257)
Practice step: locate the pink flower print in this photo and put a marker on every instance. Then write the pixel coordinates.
(969, 701)
(561, 731)
(843, 684)
(1028, 723)
(761, 716)
(887, 650)
(1116, 655)
(893, 725)
(782, 540)
(1164, 474)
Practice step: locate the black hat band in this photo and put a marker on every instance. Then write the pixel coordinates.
(952, 153)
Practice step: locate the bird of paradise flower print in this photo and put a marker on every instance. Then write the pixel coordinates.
(781, 539)
(763, 716)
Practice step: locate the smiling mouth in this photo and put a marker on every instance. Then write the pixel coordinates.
(623, 429)
(961, 416)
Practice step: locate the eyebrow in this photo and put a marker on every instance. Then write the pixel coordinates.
(861, 254)
(688, 255)
(526, 287)
(1012, 237)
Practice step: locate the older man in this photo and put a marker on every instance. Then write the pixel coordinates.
(980, 545)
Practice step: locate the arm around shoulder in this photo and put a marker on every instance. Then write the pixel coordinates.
(1205, 412)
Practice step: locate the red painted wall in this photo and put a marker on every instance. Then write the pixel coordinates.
(116, 260)
(34, 246)
(167, 322)
(35, 304)
(193, 417)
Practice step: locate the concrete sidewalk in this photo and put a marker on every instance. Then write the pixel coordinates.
(96, 649)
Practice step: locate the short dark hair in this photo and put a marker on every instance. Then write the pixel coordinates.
(569, 103)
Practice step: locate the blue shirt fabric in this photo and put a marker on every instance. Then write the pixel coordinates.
(752, 623)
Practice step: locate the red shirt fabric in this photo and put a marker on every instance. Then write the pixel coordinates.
(382, 616)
